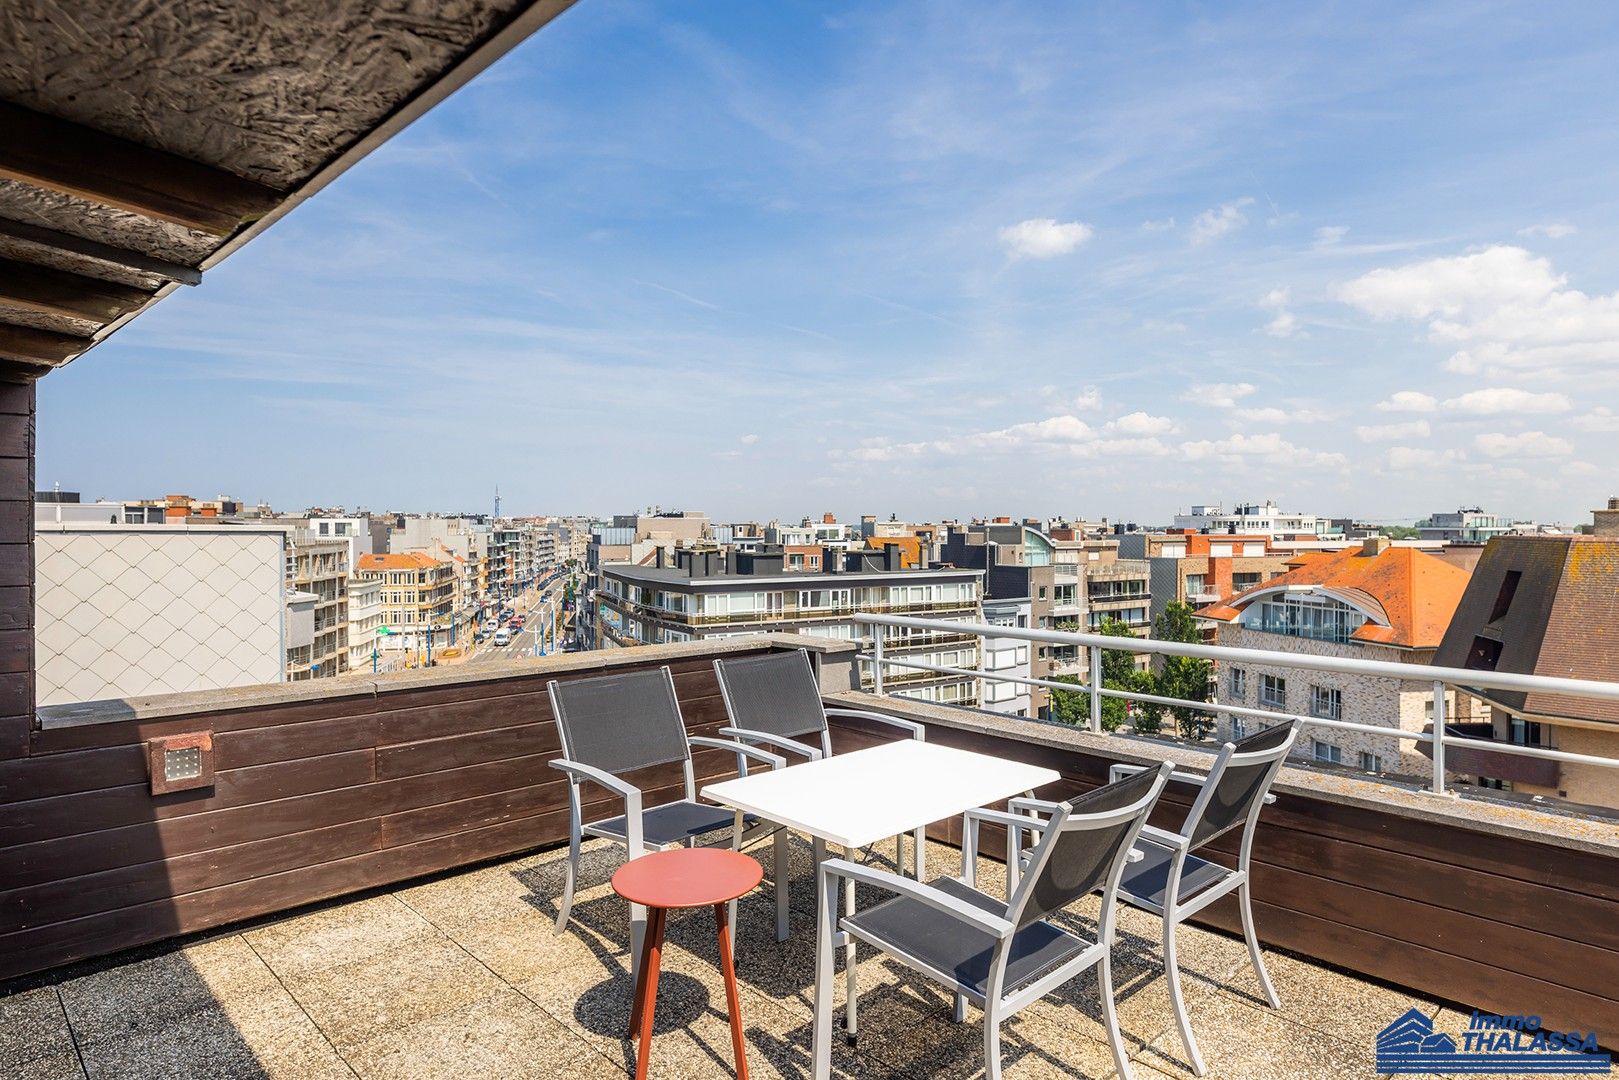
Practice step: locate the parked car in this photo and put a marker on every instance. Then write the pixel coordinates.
(503, 637)
(516, 624)
(490, 626)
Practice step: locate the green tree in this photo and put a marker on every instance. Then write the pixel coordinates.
(1183, 677)
(1119, 672)
(1398, 532)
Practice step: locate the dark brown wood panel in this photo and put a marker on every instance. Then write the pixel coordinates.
(135, 732)
(290, 742)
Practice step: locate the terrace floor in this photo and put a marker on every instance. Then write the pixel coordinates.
(461, 976)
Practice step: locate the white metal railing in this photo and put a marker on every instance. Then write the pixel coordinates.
(1441, 678)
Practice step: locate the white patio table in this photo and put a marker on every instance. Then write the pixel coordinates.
(858, 798)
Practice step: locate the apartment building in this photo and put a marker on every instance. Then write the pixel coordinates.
(1203, 568)
(1469, 526)
(366, 616)
(1121, 590)
(709, 594)
(1251, 518)
(1543, 605)
(320, 566)
(418, 597)
(1019, 590)
(1372, 602)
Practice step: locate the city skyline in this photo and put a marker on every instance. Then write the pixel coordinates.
(938, 261)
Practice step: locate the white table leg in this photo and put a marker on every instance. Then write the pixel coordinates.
(736, 845)
(851, 1014)
(921, 854)
(781, 872)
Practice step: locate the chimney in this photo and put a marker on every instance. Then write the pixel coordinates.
(1606, 522)
(1375, 545)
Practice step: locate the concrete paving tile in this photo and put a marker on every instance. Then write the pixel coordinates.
(1349, 1009)
(32, 1026)
(264, 1036)
(1245, 1043)
(154, 993)
(503, 1036)
(425, 976)
(466, 901)
(334, 936)
(58, 1066)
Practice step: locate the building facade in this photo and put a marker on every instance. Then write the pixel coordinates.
(418, 598)
(704, 594)
(1262, 518)
(1544, 605)
(1373, 602)
(320, 566)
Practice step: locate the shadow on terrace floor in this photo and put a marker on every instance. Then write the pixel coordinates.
(461, 976)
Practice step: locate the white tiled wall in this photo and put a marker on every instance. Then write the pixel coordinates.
(131, 611)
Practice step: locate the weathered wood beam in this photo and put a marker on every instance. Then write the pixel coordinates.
(76, 160)
(39, 348)
(58, 292)
(93, 249)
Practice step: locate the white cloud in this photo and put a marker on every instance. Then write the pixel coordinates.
(1140, 423)
(1226, 217)
(1414, 429)
(1269, 448)
(1328, 235)
(1044, 238)
(1554, 231)
(1276, 299)
(1409, 401)
(1270, 414)
(1534, 444)
(1089, 398)
(748, 440)
(1158, 226)
(1496, 400)
(1502, 309)
(1218, 395)
(1600, 418)
(1285, 325)
(1421, 457)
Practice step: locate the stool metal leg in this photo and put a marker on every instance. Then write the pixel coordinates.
(733, 1003)
(646, 997)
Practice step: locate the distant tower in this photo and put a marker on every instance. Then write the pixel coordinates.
(497, 501)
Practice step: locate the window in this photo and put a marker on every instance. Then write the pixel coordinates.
(1314, 617)
(1273, 691)
(1194, 584)
(1245, 581)
(1327, 753)
(1503, 599)
(1238, 683)
(1371, 763)
(1239, 728)
(1327, 703)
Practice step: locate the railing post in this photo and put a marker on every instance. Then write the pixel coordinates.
(1438, 737)
(877, 658)
(1096, 688)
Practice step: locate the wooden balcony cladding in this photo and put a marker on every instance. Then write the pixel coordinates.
(1496, 922)
(310, 801)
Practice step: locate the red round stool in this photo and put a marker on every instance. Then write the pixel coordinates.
(684, 878)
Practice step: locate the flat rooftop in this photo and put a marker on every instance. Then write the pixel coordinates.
(461, 976)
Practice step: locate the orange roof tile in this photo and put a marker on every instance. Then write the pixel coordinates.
(1417, 592)
(407, 560)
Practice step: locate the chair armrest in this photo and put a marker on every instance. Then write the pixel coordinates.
(1001, 817)
(1016, 825)
(780, 742)
(915, 730)
(1032, 805)
(1171, 840)
(742, 751)
(926, 894)
(577, 772)
(1135, 855)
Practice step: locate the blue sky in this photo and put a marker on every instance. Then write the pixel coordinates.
(934, 259)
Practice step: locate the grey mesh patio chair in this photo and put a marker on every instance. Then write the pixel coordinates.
(775, 701)
(616, 724)
(1175, 884)
(1000, 955)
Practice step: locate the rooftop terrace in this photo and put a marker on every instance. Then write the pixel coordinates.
(460, 975)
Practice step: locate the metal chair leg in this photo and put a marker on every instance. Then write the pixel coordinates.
(1173, 975)
(851, 1013)
(1110, 1017)
(567, 889)
(779, 885)
(992, 1047)
(1246, 903)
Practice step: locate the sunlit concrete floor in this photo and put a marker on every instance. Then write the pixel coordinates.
(462, 976)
